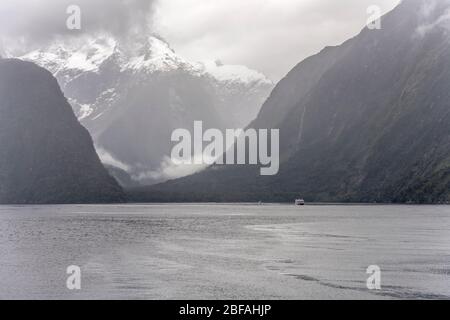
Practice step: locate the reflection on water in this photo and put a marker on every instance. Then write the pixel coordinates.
(224, 251)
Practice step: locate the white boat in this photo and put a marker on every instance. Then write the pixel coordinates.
(299, 202)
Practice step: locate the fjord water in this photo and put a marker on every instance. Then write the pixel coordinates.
(233, 251)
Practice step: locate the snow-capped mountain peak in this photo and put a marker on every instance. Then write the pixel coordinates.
(155, 55)
(85, 57)
(233, 73)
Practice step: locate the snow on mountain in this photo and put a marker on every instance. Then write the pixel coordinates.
(156, 56)
(131, 98)
(233, 73)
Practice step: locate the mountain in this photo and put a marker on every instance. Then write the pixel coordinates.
(239, 92)
(366, 121)
(132, 96)
(46, 156)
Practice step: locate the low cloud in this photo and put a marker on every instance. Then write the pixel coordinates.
(108, 159)
(168, 171)
(271, 36)
(35, 22)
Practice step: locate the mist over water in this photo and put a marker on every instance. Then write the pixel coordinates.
(224, 251)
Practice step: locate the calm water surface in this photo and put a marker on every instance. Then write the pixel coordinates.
(224, 251)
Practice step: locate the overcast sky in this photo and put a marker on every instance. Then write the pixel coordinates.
(268, 35)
